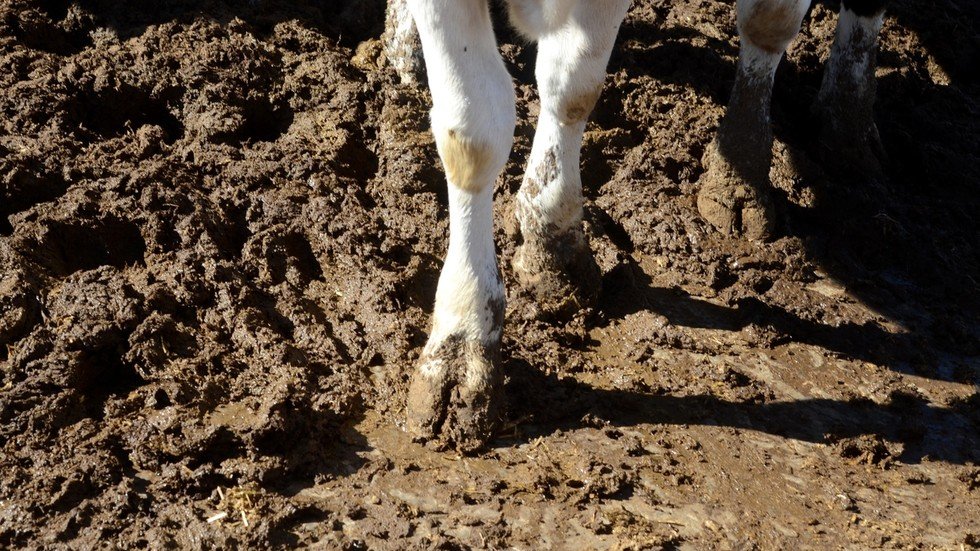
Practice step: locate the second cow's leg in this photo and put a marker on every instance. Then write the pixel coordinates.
(554, 260)
(846, 100)
(734, 195)
(454, 393)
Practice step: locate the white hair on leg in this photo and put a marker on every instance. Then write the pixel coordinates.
(536, 18)
(401, 42)
(453, 392)
(845, 102)
(852, 55)
(554, 260)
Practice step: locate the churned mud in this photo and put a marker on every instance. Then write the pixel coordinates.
(221, 228)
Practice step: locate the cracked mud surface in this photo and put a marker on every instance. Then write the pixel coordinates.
(220, 234)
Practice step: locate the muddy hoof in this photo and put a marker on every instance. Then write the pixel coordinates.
(855, 148)
(733, 205)
(455, 394)
(737, 210)
(560, 272)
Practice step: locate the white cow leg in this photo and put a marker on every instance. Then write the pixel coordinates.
(734, 195)
(845, 103)
(455, 391)
(554, 260)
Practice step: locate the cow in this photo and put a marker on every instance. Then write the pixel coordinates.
(455, 390)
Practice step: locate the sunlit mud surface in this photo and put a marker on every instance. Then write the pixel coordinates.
(220, 233)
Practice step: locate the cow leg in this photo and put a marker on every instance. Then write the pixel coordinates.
(401, 42)
(575, 40)
(845, 103)
(454, 392)
(734, 194)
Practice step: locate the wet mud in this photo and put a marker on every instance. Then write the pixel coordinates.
(221, 227)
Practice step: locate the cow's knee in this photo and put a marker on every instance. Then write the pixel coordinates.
(865, 8)
(473, 115)
(536, 18)
(472, 160)
(475, 142)
(770, 25)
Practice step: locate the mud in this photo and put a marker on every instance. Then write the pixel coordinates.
(220, 233)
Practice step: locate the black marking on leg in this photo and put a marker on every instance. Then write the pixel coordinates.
(496, 307)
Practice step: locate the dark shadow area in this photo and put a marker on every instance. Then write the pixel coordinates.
(627, 290)
(49, 29)
(945, 27)
(313, 446)
(66, 248)
(667, 55)
(925, 431)
(113, 112)
(904, 242)
(111, 377)
(264, 122)
(25, 187)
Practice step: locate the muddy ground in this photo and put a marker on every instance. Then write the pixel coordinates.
(220, 231)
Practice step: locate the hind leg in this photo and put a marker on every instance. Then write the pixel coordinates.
(454, 395)
(575, 40)
(845, 103)
(734, 194)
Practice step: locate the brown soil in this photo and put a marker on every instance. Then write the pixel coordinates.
(220, 233)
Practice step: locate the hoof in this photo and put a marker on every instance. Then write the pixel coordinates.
(844, 107)
(854, 147)
(732, 204)
(560, 272)
(455, 394)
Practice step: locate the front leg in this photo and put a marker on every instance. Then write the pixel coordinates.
(454, 395)
(554, 260)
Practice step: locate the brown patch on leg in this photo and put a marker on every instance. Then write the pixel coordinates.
(578, 108)
(771, 25)
(466, 161)
(544, 174)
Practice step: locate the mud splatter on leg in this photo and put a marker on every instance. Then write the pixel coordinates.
(455, 391)
(845, 103)
(554, 261)
(734, 194)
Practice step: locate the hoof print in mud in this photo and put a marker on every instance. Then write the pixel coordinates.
(455, 394)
